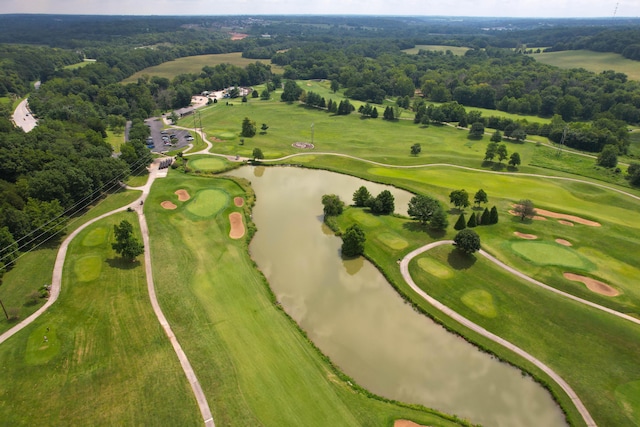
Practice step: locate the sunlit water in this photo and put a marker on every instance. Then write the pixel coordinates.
(356, 318)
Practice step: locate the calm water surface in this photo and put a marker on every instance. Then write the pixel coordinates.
(356, 318)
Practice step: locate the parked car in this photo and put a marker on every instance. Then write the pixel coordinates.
(189, 138)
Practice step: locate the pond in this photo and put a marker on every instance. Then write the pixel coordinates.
(355, 317)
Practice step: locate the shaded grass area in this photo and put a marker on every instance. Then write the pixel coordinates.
(220, 305)
(194, 65)
(596, 62)
(115, 140)
(105, 359)
(456, 50)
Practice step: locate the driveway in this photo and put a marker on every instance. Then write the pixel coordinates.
(23, 118)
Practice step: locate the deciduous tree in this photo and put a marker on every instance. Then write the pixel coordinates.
(353, 241)
(459, 198)
(126, 245)
(361, 197)
(480, 197)
(332, 205)
(467, 241)
(248, 127)
(423, 208)
(525, 209)
(415, 149)
(514, 160)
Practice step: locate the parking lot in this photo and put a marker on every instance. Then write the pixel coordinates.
(162, 139)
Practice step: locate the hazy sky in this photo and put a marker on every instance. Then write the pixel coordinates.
(511, 8)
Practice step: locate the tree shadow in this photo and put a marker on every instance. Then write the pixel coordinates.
(487, 163)
(123, 264)
(498, 166)
(460, 260)
(417, 226)
(512, 168)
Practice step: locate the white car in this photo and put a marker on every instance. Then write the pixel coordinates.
(189, 138)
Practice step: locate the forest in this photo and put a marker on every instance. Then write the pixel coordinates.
(62, 166)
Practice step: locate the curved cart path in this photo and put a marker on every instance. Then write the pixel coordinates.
(404, 269)
(56, 282)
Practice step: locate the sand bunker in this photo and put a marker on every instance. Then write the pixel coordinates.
(567, 217)
(564, 242)
(593, 284)
(306, 145)
(168, 205)
(237, 226)
(563, 222)
(406, 423)
(536, 217)
(525, 236)
(183, 196)
(238, 201)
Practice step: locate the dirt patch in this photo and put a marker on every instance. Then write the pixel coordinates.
(536, 217)
(593, 285)
(572, 218)
(237, 226)
(305, 145)
(168, 205)
(238, 201)
(407, 423)
(183, 196)
(525, 236)
(564, 242)
(563, 222)
(238, 36)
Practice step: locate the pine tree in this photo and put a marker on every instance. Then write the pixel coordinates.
(472, 223)
(461, 224)
(493, 216)
(486, 217)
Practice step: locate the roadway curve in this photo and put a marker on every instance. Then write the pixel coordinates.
(404, 269)
(23, 118)
(56, 284)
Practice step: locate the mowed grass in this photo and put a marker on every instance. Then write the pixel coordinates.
(115, 140)
(565, 332)
(591, 61)
(456, 50)
(254, 365)
(105, 359)
(194, 65)
(552, 328)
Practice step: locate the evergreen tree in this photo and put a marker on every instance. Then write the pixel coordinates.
(461, 223)
(361, 197)
(248, 127)
(493, 216)
(384, 203)
(472, 221)
(485, 219)
(374, 113)
(439, 220)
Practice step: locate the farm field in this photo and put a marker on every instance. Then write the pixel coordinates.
(456, 50)
(592, 61)
(194, 64)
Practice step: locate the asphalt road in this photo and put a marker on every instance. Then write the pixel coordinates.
(23, 118)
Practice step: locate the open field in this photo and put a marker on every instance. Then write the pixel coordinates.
(194, 65)
(239, 342)
(592, 61)
(105, 359)
(456, 50)
(80, 64)
(115, 140)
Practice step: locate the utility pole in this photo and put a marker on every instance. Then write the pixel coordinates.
(4, 309)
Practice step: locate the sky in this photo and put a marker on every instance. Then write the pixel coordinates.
(505, 8)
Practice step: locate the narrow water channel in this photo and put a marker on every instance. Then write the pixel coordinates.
(356, 318)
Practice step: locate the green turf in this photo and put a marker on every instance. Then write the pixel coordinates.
(105, 359)
(435, 268)
(115, 140)
(592, 61)
(480, 301)
(208, 164)
(544, 254)
(194, 65)
(239, 341)
(208, 202)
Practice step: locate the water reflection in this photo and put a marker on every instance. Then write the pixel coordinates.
(355, 317)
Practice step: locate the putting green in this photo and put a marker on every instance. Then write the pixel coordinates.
(543, 253)
(481, 302)
(365, 219)
(88, 268)
(208, 164)
(39, 350)
(207, 203)
(435, 268)
(392, 240)
(628, 398)
(96, 237)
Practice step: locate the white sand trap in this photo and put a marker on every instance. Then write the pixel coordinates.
(237, 226)
(593, 285)
(168, 205)
(183, 195)
(564, 242)
(525, 236)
